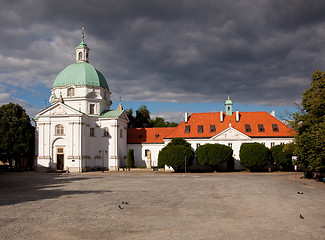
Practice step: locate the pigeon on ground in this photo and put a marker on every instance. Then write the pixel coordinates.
(123, 202)
(300, 192)
(120, 207)
(301, 217)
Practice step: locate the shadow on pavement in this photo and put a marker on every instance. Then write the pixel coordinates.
(22, 187)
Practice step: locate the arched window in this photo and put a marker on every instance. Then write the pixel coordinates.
(106, 133)
(70, 92)
(80, 56)
(59, 129)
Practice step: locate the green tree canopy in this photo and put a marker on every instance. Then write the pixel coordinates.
(142, 119)
(213, 154)
(17, 134)
(309, 124)
(254, 156)
(175, 153)
(282, 155)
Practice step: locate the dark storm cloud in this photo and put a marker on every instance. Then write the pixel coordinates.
(263, 52)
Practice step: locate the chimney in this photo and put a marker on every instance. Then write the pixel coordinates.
(237, 116)
(186, 117)
(221, 116)
(273, 113)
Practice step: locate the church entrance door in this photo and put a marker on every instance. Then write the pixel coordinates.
(60, 159)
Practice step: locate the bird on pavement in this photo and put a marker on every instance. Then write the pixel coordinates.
(301, 217)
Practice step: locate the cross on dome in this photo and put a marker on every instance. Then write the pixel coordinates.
(82, 50)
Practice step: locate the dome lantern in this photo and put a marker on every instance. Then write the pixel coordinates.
(82, 50)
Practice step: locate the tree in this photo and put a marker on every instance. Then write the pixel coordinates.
(254, 156)
(213, 154)
(130, 159)
(160, 122)
(129, 113)
(282, 156)
(142, 119)
(175, 153)
(309, 124)
(17, 135)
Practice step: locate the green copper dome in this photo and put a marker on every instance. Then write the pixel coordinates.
(80, 73)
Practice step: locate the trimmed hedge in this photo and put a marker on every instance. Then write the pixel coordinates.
(281, 156)
(174, 153)
(213, 154)
(254, 156)
(130, 159)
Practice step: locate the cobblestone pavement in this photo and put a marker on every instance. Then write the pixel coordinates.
(160, 206)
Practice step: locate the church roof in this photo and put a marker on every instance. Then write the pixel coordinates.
(111, 113)
(80, 73)
(252, 124)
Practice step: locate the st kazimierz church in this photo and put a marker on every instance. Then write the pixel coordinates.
(80, 132)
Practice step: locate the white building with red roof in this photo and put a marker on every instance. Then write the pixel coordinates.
(228, 128)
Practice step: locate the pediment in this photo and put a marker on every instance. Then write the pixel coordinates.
(59, 109)
(230, 134)
(124, 116)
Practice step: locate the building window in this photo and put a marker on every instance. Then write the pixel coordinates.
(230, 145)
(187, 128)
(140, 136)
(157, 136)
(275, 127)
(197, 145)
(248, 128)
(282, 143)
(212, 128)
(60, 150)
(146, 152)
(106, 133)
(59, 129)
(272, 144)
(70, 92)
(80, 56)
(200, 129)
(260, 128)
(92, 109)
(92, 132)
(121, 133)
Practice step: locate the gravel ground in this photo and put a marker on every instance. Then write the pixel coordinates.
(160, 206)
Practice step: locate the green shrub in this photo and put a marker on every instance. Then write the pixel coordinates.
(130, 159)
(254, 156)
(174, 154)
(281, 156)
(213, 154)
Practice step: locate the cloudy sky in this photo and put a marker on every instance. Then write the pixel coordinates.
(173, 56)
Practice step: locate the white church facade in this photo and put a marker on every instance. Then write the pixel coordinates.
(79, 132)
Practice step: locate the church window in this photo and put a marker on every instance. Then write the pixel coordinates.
(106, 133)
(146, 152)
(248, 128)
(200, 129)
(92, 109)
(261, 128)
(80, 56)
(212, 128)
(59, 129)
(70, 92)
(92, 132)
(121, 133)
(187, 128)
(275, 127)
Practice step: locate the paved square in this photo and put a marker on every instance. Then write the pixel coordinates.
(160, 206)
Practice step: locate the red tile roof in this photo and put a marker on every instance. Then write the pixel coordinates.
(213, 118)
(148, 135)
